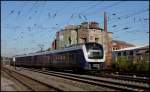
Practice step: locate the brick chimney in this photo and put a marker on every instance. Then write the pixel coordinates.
(107, 45)
(105, 22)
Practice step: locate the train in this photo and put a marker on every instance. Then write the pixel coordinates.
(139, 53)
(80, 57)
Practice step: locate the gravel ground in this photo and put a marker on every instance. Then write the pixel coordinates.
(69, 83)
(7, 85)
(87, 87)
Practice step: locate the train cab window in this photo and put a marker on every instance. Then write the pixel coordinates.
(93, 46)
(95, 55)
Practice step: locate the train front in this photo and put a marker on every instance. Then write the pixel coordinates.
(94, 55)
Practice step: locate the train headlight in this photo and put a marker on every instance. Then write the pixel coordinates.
(88, 53)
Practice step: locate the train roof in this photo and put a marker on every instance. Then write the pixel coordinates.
(52, 51)
(72, 47)
(132, 48)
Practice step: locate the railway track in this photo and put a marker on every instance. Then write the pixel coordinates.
(30, 83)
(119, 84)
(141, 79)
(110, 83)
(127, 78)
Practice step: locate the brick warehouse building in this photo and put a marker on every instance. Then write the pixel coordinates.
(117, 44)
(85, 32)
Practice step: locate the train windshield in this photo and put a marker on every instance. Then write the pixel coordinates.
(94, 50)
(95, 54)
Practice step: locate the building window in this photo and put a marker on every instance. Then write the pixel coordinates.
(114, 44)
(69, 40)
(84, 40)
(91, 37)
(96, 40)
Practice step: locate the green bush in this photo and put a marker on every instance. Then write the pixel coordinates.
(122, 64)
(142, 66)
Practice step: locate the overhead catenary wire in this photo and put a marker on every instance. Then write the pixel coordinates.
(83, 11)
(131, 15)
(49, 27)
(12, 11)
(28, 12)
(104, 8)
(79, 15)
(46, 28)
(41, 12)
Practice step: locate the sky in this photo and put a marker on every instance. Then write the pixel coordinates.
(27, 24)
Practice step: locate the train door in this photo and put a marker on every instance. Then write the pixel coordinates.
(66, 59)
(45, 60)
(50, 60)
(38, 61)
(71, 59)
(79, 59)
(32, 60)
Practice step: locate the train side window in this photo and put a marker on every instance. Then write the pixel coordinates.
(124, 53)
(54, 58)
(131, 53)
(35, 58)
(119, 54)
(49, 58)
(63, 57)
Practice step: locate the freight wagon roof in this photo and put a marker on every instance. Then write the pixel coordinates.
(131, 48)
(73, 47)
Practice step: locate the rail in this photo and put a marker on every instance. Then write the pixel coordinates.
(101, 81)
(30, 83)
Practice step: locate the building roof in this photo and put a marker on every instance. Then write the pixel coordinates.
(123, 42)
(70, 27)
(90, 25)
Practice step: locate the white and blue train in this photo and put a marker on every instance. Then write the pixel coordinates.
(88, 56)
